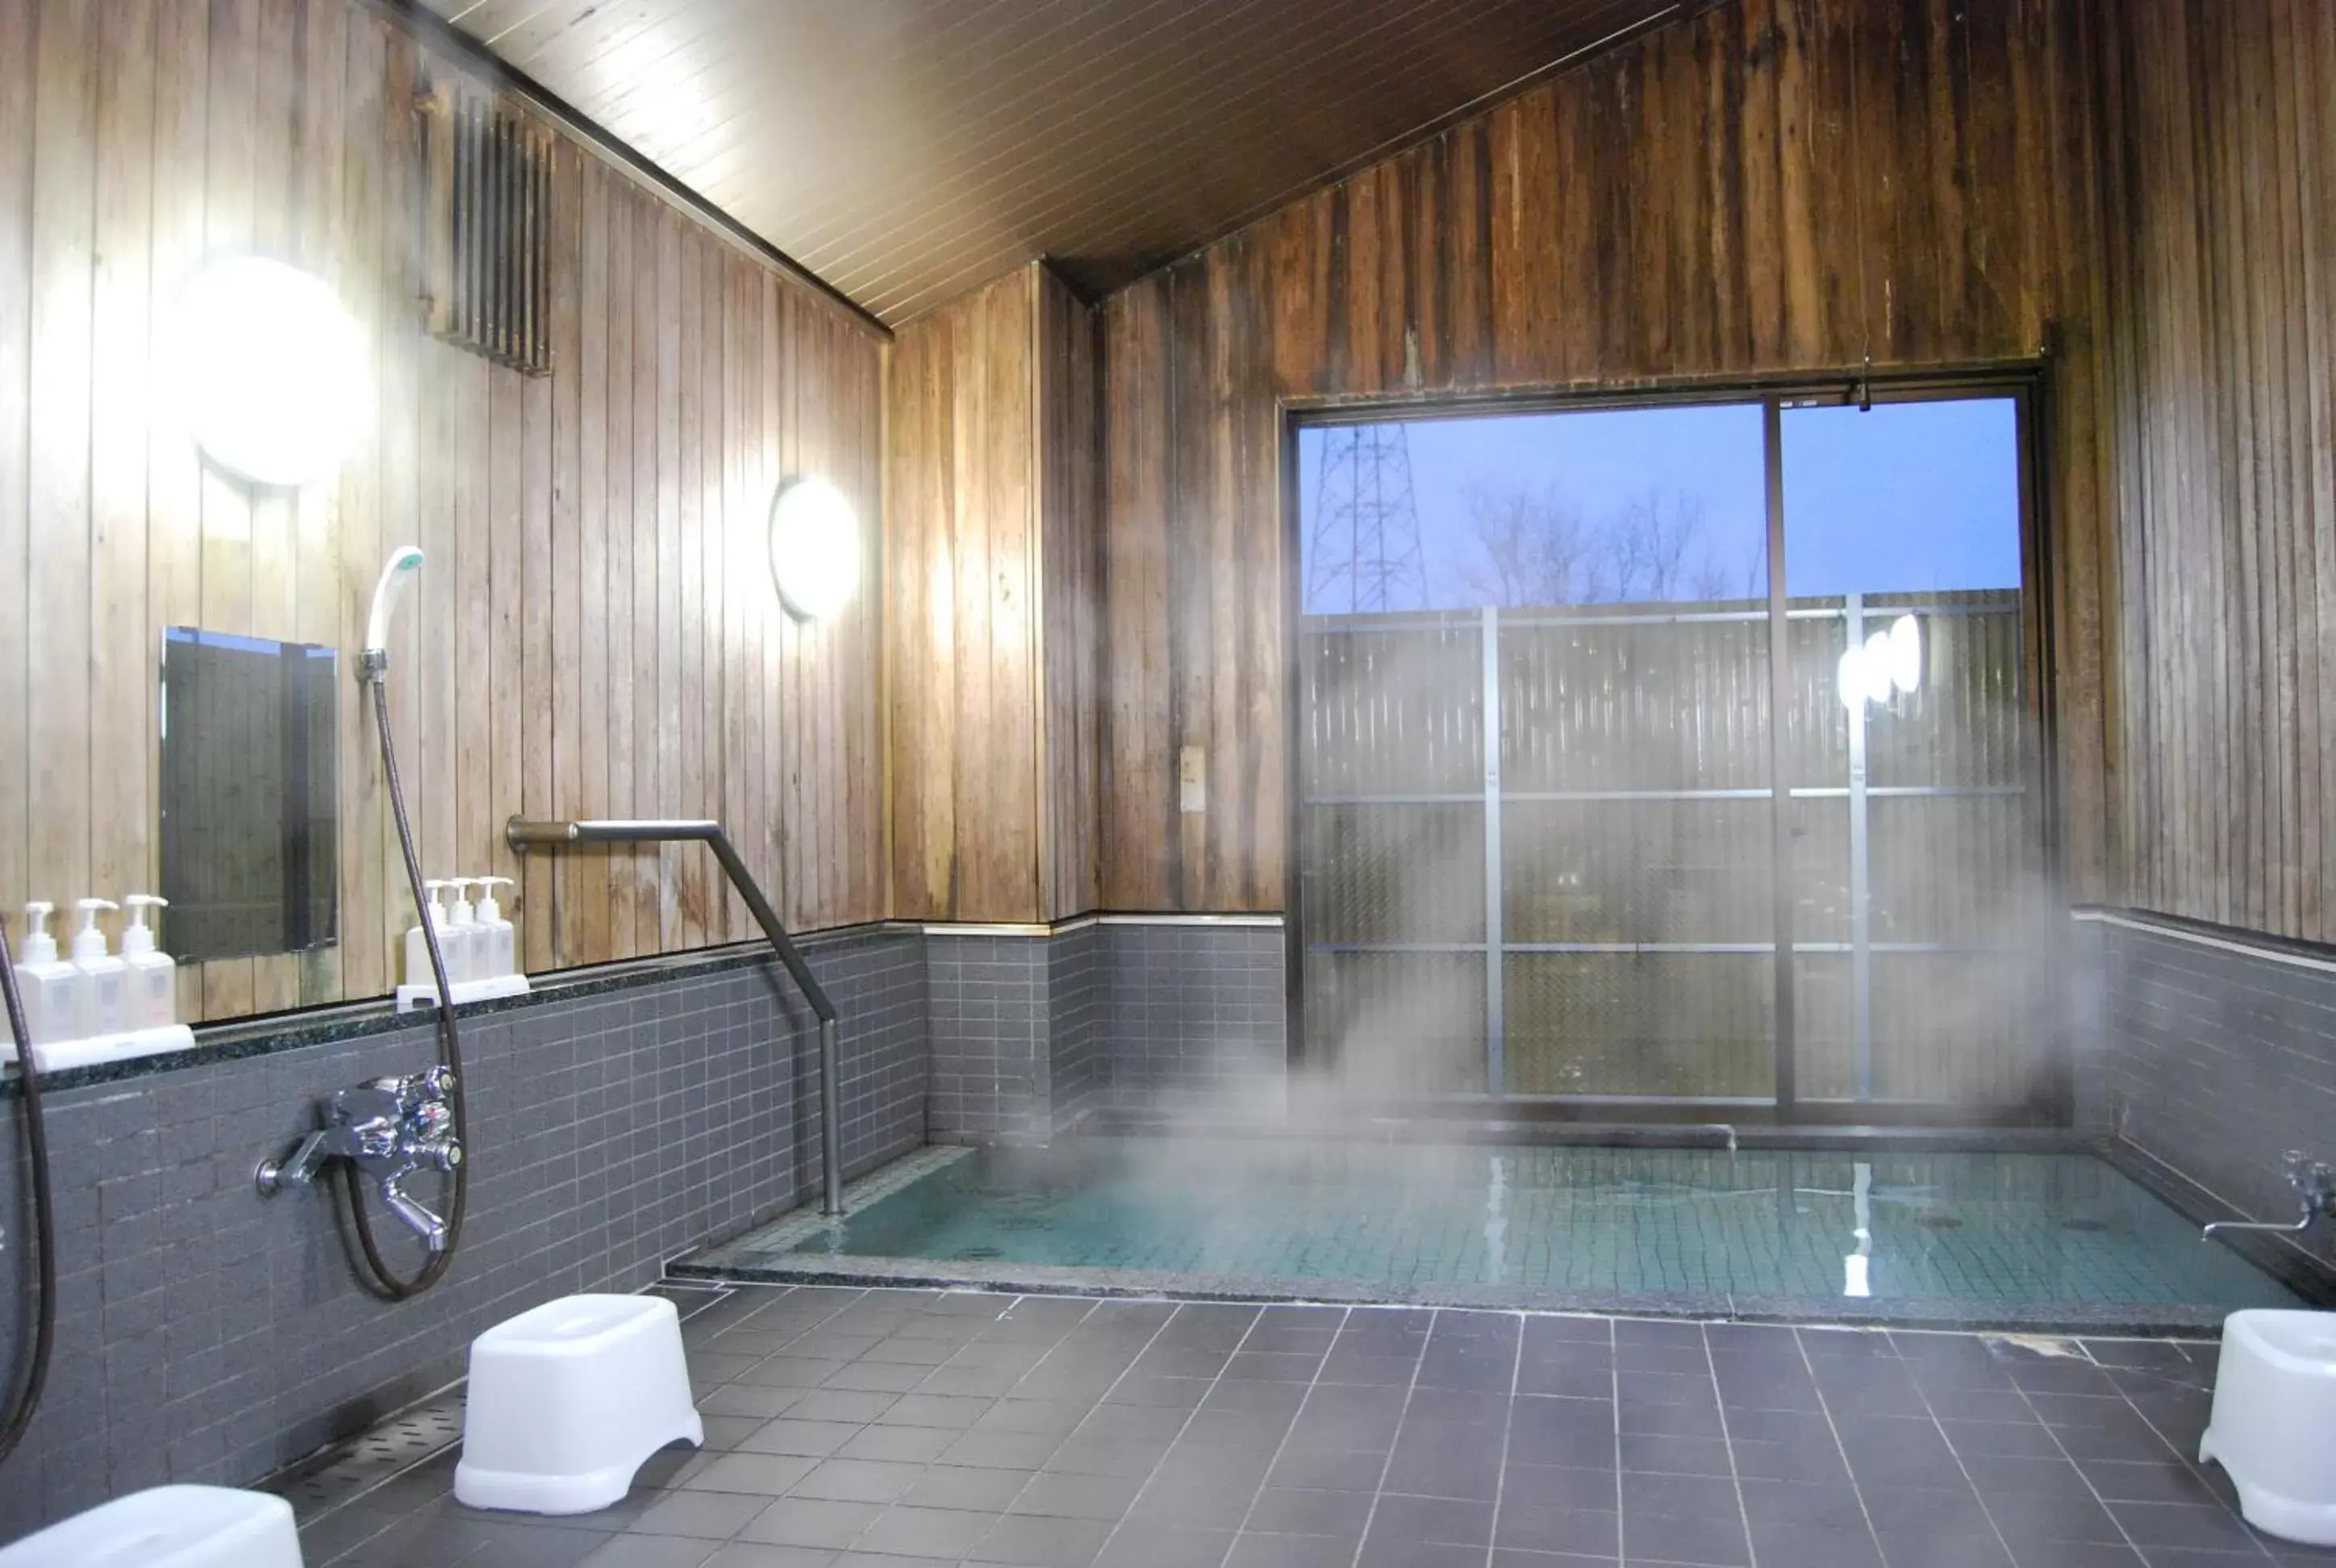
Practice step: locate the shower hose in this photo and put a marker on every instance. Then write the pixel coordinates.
(373, 1270)
(44, 1246)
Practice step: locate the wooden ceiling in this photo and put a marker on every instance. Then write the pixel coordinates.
(906, 149)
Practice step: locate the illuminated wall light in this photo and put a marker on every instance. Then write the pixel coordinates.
(269, 370)
(815, 547)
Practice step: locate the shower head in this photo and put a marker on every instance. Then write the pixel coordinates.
(403, 562)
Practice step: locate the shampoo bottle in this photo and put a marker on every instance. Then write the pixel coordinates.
(495, 932)
(417, 941)
(103, 978)
(462, 925)
(153, 978)
(50, 987)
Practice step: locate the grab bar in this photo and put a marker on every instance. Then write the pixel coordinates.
(521, 834)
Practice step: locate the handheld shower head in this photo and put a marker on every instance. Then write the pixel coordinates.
(403, 562)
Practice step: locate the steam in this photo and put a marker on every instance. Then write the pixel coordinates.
(1656, 917)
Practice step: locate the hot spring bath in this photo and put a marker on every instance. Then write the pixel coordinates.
(2040, 1241)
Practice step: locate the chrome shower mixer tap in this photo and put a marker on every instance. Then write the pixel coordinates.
(388, 1128)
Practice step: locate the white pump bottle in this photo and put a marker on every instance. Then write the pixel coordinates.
(153, 978)
(466, 947)
(98, 1006)
(417, 942)
(50, 987)
(500, 955)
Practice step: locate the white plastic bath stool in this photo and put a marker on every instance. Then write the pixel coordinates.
(2273, 1424)
(567, 1401)
(168, 1527)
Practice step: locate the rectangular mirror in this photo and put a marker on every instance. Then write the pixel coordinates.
(250, 795)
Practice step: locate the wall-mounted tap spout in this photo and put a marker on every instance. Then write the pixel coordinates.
(2315, 1182)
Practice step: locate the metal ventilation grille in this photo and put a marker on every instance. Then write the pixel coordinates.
(348, 1470)
(488, 199)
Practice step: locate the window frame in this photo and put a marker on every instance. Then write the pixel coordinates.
(2024, 384)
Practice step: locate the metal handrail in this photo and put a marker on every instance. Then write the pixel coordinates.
(522, 835)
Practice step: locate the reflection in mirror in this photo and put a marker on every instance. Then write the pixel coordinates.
(249, 794)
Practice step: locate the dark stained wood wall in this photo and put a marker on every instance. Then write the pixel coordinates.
(960, 646)
(1069, 351)
(1776, 186)
(991, 541)
(594, 632)
(2219, 193)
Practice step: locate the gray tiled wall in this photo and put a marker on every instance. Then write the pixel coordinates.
(991, 1065)
(1074, 1003)
(2211, 1060)
(1194, 1017)
(206, 1334)
(2088, 1024)
(1031, 1032)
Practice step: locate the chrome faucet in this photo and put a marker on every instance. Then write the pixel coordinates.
(2315, 1182)
(388, 1128)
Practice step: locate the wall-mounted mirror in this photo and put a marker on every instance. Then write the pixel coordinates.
(250, 795)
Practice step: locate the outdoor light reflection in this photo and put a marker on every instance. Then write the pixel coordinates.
(1855, 1268)
(1886, 664)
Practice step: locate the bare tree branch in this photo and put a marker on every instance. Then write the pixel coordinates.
(1535, 551)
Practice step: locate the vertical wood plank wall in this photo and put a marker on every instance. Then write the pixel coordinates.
(1774, 185)
(990, 565)
(594, 632)
(2219, 193)
(961, 648)
(1070, 435)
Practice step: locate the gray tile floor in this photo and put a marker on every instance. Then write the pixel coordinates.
(849, 1427)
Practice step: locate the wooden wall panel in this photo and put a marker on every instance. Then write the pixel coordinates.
(1774, 187)
(963, 457)
(1070, 512)
(595, 631)
(2219, 204)
(990, 576)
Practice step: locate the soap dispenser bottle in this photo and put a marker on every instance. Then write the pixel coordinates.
(417, 941)
(50, 987)
(98, 1007)
(495, 932)
(152, 976)
(462, 925)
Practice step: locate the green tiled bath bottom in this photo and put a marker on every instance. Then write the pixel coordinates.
(1983, 1237)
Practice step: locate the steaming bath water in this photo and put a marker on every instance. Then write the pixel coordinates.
(2003, 1236)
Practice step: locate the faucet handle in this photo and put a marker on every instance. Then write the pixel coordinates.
(2315, 1182)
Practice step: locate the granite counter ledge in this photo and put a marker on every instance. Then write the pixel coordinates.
(239, 1039)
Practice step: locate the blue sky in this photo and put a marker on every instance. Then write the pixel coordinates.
(1904, 498)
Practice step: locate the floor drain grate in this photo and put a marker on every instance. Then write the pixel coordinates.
(2087, 1226)
(1938, 1223)
(349, 1471)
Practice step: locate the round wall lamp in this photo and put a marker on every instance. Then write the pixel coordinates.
(271, 371)
(815, 547)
